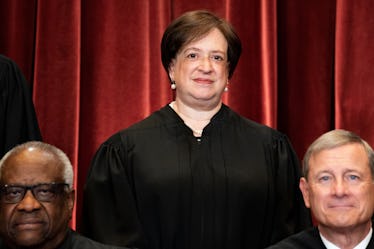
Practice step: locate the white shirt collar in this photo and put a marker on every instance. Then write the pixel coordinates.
(362, 245)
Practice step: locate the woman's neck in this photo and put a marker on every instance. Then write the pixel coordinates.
(195, 119)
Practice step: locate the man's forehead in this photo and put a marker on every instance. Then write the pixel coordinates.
(30, 167)
(343, 158)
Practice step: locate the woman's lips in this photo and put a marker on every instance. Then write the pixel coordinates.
(203, 81)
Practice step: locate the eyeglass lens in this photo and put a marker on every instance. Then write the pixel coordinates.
(45, 192)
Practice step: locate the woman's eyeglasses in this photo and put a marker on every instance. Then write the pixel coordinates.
(44, 192)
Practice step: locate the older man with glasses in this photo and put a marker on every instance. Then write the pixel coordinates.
(37, 199)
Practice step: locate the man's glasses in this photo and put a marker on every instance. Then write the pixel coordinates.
(44, 192)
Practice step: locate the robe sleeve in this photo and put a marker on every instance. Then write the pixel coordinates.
(291, 215)
(17, 114)
(114, 218)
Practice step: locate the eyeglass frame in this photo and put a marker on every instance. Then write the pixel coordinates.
(25, 188)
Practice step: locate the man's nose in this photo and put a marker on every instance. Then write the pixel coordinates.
(29, 202)
(340, 187)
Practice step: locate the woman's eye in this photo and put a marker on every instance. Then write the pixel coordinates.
(218, 58)
(192, 56)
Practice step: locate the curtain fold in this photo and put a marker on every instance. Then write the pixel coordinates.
(57, 71)
(95, 66)
(17, 31)
(268, 60)
(306, 40)
(354, 72)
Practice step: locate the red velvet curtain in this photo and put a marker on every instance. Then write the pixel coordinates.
(95, 66)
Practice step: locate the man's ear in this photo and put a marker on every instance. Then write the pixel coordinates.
(71, 200)
(304, 187)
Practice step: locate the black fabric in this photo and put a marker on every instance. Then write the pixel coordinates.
(308, 239)
(75, 241)
(18, 122)
(154, 185)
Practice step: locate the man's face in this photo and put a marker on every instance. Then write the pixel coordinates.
(31, 222)
(340, 189)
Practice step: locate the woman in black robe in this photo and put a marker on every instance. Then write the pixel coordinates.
(195, 174)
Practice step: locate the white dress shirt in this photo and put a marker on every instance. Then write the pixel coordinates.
(362, 245)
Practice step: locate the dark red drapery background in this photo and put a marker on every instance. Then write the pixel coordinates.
(95, 66)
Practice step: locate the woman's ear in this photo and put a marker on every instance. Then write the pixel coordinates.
(171, 70)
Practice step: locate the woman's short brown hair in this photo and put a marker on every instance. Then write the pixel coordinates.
(192, 26)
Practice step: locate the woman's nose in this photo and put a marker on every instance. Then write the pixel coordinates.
(205, 64)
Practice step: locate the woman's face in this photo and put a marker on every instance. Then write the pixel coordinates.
(200, 70)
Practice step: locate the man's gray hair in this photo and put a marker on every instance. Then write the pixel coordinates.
(333, 139)
(60, 156)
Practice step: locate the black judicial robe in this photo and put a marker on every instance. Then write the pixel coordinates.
(154, 185)
(74, 240)
(308, 239)
(18, 122)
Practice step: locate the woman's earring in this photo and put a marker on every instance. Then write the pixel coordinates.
(226, 87)
(173, 86)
